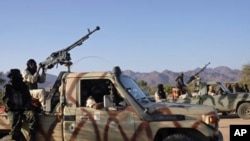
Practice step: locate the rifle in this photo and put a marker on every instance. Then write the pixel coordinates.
(63, 56)
(196, 74)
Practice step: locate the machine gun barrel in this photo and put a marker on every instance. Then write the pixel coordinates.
(80, 41)
(196, 74)
(63, 56)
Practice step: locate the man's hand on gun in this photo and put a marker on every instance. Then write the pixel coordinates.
(41, 67)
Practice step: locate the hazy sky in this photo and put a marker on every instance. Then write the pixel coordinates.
(139, 35)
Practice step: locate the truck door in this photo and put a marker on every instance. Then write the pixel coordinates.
(219, 100)
(94, 122)
(103, 124)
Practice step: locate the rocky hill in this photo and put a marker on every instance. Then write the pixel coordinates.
(222, 73)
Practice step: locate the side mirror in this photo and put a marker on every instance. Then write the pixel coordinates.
(107, 101)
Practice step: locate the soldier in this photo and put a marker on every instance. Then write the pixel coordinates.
(114, 94)
(229, 86)
(32, 77)
(31, 74)
(180, 83)
(160, 94)
(211, 90)
(95, 98)
(197, 81)
(246, 88)
(17, 100)
(237, 88)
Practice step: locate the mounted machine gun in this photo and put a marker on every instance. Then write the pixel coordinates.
(196, 74)
(62, 57)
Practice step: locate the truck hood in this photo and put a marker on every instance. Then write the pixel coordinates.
(190, 111)
(242, 95)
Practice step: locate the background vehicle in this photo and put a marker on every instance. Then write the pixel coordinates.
(223, 100)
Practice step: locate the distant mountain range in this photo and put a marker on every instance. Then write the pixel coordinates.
(222, 73)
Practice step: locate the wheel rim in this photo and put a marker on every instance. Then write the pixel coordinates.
(245, 111)
(248, 111)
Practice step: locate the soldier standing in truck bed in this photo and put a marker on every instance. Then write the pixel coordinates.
(181, 86)
(31, 77)
(180, 83)
(31, 74)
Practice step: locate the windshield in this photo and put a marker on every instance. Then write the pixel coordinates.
(132, 87)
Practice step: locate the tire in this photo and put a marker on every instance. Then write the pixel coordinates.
(244, 110)
(177, 137)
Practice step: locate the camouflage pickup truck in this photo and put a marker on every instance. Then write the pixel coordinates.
(120, 111)
(222, 99)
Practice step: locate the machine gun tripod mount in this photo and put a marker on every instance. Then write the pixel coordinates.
(62, 56)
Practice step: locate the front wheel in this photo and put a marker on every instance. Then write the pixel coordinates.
(177, 137)
(244, 110)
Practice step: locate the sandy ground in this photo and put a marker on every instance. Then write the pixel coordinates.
(226, 121)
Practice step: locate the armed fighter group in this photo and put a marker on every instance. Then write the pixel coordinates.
(96, 106)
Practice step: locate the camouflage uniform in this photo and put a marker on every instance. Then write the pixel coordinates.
(17, 100)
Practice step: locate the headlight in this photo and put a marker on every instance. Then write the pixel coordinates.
(211, 120)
